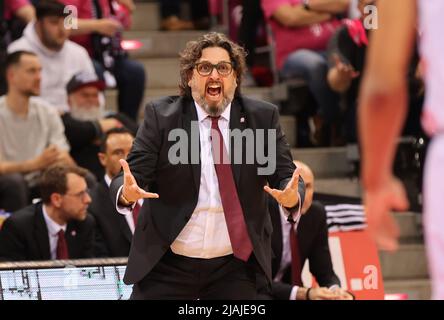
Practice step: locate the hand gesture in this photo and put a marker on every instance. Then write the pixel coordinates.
(378, 204)
(289, 196)
(131, 191)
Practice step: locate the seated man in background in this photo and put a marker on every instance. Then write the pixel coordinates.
(347, 53)
(302, 29)
(293, 248)
(56, 228)
(32, 133)
(61, 58)
(86, 122)
(114, 231)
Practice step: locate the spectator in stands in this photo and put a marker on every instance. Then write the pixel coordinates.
(310, 242)
(61, 59)
(114, 231)
(32, 133)
(346, 53)
(99, 31)
(10, 11)
(86, 122)
(56, 228)
(170, 12)
(302, 29)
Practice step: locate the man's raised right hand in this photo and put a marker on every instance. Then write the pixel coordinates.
(131, 191)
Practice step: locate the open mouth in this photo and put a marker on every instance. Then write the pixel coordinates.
(214, 90)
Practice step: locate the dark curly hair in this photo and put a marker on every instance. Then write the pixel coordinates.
(193, 51)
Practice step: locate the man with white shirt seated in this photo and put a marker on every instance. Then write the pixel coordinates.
(114, 231)
(56, 228)
(32, 134)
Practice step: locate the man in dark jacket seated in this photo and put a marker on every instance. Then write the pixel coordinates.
(56, 228)
(114, 231)
(309, 237)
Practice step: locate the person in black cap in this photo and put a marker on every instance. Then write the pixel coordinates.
(86, 122)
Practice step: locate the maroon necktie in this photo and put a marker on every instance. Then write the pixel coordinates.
(136, 213)
(234, 217)
(295, 258)
(62, 247)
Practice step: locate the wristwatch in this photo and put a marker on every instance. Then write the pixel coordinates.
(306, 4)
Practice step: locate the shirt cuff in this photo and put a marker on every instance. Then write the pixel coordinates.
(293, 214)
(294, 292)
(121, 209)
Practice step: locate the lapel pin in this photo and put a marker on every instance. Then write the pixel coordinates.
(73, 233)
(242, 120)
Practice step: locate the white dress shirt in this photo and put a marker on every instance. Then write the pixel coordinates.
(53, 230)
(286, 249)
(206, 234)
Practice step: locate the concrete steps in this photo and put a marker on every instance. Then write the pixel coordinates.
(325, 162)
(162, 72)
(326, 184)
(146, 16)
(160, 44)
(409, 262)
(416, 289)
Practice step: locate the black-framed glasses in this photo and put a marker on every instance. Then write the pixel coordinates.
(206, 68)
(80, 195)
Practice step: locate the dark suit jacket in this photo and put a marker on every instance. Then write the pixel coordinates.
(113, 235)
(24, 236)
(313, 245)
(161, 220)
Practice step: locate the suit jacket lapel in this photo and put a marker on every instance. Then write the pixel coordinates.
(41, 233)
(190, 115)
(237, 121)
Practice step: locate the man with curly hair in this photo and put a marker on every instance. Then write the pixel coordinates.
(204, 229)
